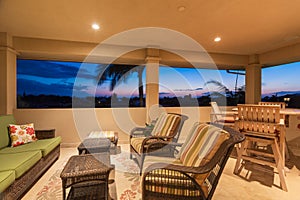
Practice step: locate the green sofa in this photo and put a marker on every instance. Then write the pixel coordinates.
(22, 166)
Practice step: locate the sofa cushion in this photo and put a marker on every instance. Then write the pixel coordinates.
(19, 162)
(5, 120)
(6, 179)
(45, 145)
(21, 134)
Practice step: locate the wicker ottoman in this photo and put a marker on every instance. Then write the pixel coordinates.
(87, 175)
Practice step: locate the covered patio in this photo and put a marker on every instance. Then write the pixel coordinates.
(254, 35)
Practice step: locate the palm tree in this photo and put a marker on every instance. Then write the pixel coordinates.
(221, 88)
(120, 73)
(238, 96)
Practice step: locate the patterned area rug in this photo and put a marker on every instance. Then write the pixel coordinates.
(125, 187)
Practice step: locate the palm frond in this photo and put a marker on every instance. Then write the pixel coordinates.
(220, 86)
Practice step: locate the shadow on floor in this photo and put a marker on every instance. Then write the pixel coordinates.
(264, 174)
(254, 172)
(292, 160)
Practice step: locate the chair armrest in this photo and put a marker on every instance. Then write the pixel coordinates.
(140, 132)
(173, 144)
(169, 148)
(178, 168)
(156, 143)
(45, 134)
(157, 138)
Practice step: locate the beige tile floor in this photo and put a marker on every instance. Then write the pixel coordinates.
(255, 182)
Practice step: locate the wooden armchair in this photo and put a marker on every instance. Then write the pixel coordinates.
(262, 126)
(196, 170)
(281, 104)
(165, 130)
(220, 117)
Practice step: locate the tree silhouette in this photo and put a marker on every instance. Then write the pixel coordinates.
(117, 74)
(221, 88)
(233, 98)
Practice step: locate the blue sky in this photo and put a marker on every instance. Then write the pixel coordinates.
(58, 78)
(281, 78)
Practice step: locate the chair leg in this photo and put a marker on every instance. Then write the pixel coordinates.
(279, 165)
(239, 150)
(287, 153)
(142, 163)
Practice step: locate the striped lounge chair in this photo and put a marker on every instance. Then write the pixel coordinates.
(166, 130)
(195, 171)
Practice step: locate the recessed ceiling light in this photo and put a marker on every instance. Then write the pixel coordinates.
(95, 26)
(217, 39)
(181, 8)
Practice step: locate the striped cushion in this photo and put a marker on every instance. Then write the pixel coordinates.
(136, 143)
(188, 138)
(166, 125)
(202, 145)
(159, 123)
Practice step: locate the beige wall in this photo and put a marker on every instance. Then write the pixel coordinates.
(72, 129)
(121, 120)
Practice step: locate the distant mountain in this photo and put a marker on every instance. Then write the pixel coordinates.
(281, 93)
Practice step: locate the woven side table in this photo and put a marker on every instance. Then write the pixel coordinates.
(90, 170)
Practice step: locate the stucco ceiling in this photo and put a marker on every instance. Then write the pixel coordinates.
(246, 27)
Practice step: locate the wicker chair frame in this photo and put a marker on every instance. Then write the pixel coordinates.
(160, 180)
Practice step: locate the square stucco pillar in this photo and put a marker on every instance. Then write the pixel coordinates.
(152, 88)
(253, 84)
(8, 58)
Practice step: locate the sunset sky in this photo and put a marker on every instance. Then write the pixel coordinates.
(35, 77)
(281, 78)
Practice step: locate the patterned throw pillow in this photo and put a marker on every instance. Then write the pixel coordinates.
(21, 134)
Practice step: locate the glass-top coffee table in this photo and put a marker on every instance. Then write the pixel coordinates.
(94, 145)
(87, 175)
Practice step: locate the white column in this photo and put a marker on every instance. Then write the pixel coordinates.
(152, 84)
(253, 83)
(8, 58)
